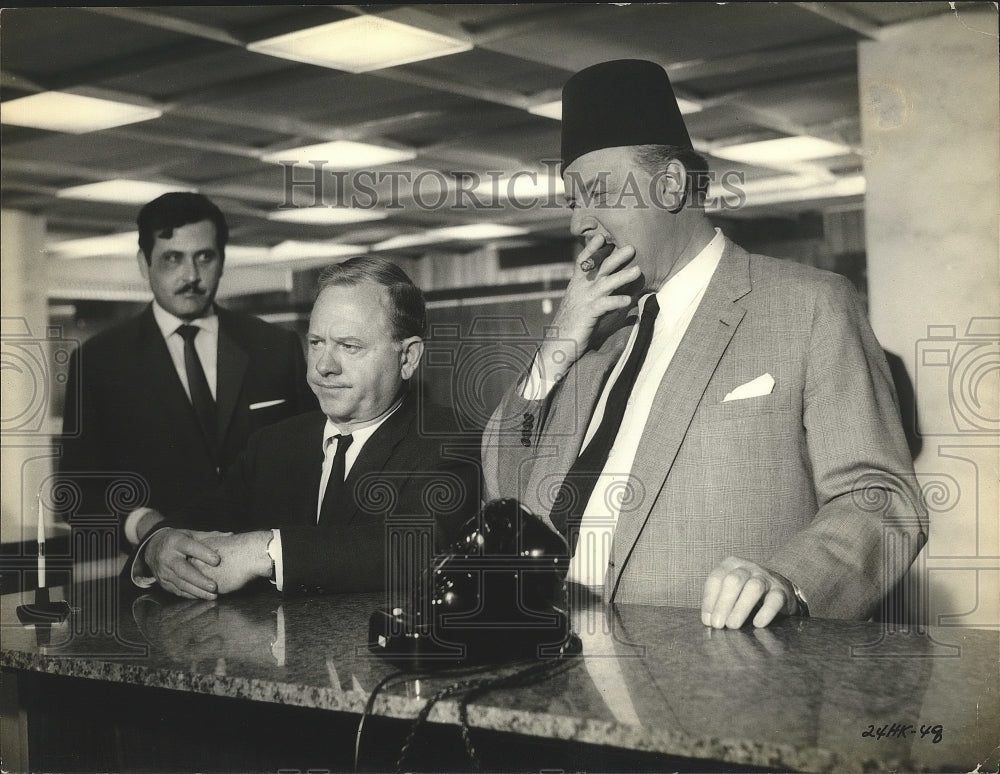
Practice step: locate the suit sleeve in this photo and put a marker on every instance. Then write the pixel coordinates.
(399, 513)
(227, 507)
(83, 449)
(871, 520)
(509, 441)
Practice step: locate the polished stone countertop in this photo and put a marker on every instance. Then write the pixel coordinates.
(804, 694)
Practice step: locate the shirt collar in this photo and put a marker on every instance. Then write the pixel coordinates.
(358, 436)
(681, 289)
(168, 323)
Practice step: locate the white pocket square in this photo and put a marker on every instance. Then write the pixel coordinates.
(266, 404)
(762, 385)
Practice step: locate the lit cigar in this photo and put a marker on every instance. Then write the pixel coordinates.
(586, 257)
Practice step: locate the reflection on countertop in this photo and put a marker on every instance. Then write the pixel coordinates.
(805, 694)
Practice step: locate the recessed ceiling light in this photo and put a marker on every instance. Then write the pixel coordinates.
(326, 216)
(554, 109)
(58, 111)
(688, 106)
(783, 150)
(341, 154)
(468, 232)
(293, 250)
(119, 191)
(790, 188)
(524, 187)
(474, 231)
(361, 44)
(237, 255)
(121, 244)
(548, 110)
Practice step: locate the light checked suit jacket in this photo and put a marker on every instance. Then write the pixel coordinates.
(813, 480)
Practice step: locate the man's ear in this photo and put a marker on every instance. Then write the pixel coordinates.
(409, 355)
(140, 258)
(671, 186)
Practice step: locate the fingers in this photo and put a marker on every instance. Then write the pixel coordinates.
(774, 603)
(737, 589)
(586, 260)
(167, 557)
(195, 549)
(180, 577)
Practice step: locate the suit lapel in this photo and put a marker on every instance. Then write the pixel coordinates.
(679, 394)
(569, 420)
(307, 468)
(374, 458)
(232, 366)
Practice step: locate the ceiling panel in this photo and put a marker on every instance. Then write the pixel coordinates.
(758, 70)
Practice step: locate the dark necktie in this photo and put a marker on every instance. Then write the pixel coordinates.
(578, 486)
(201, 395)
(334, 498)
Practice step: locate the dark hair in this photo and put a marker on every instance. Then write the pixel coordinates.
(409, 313)
(654, 159)
(161, 216)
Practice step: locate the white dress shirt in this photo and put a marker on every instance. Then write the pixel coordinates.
(678, 299)
(206, 344)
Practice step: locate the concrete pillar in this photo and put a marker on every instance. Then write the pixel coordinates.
(929, 118)
(25, 440)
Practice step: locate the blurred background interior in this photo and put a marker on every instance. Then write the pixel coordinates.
(855, 137)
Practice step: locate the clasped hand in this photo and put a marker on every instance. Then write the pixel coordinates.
(202, 565)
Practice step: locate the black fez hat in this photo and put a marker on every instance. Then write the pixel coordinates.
(624, 102)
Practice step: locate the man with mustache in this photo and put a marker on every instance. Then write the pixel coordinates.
(709, 428)
(172, 395)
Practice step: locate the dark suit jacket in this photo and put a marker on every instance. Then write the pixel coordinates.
(135, 420)
(403, 482)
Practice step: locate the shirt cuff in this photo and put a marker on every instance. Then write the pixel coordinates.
(536, 386)
(132, 524)
(274, 551)
(140, 573)
(803, 605)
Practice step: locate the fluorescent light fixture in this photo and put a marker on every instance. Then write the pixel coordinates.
(293, 250)
(783, 150)
(360, 44)
(791, 188)
(407, 240)
(119, 191)
(523, 187)
(59, 111)
(477, 231)
(548, 110)
(341, 154)
(237, 255)
(554, 109)
(469, 232)
(121, 244)
(326, 216)
(688, 106)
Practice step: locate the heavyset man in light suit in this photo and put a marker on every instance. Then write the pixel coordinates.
(758, 467)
